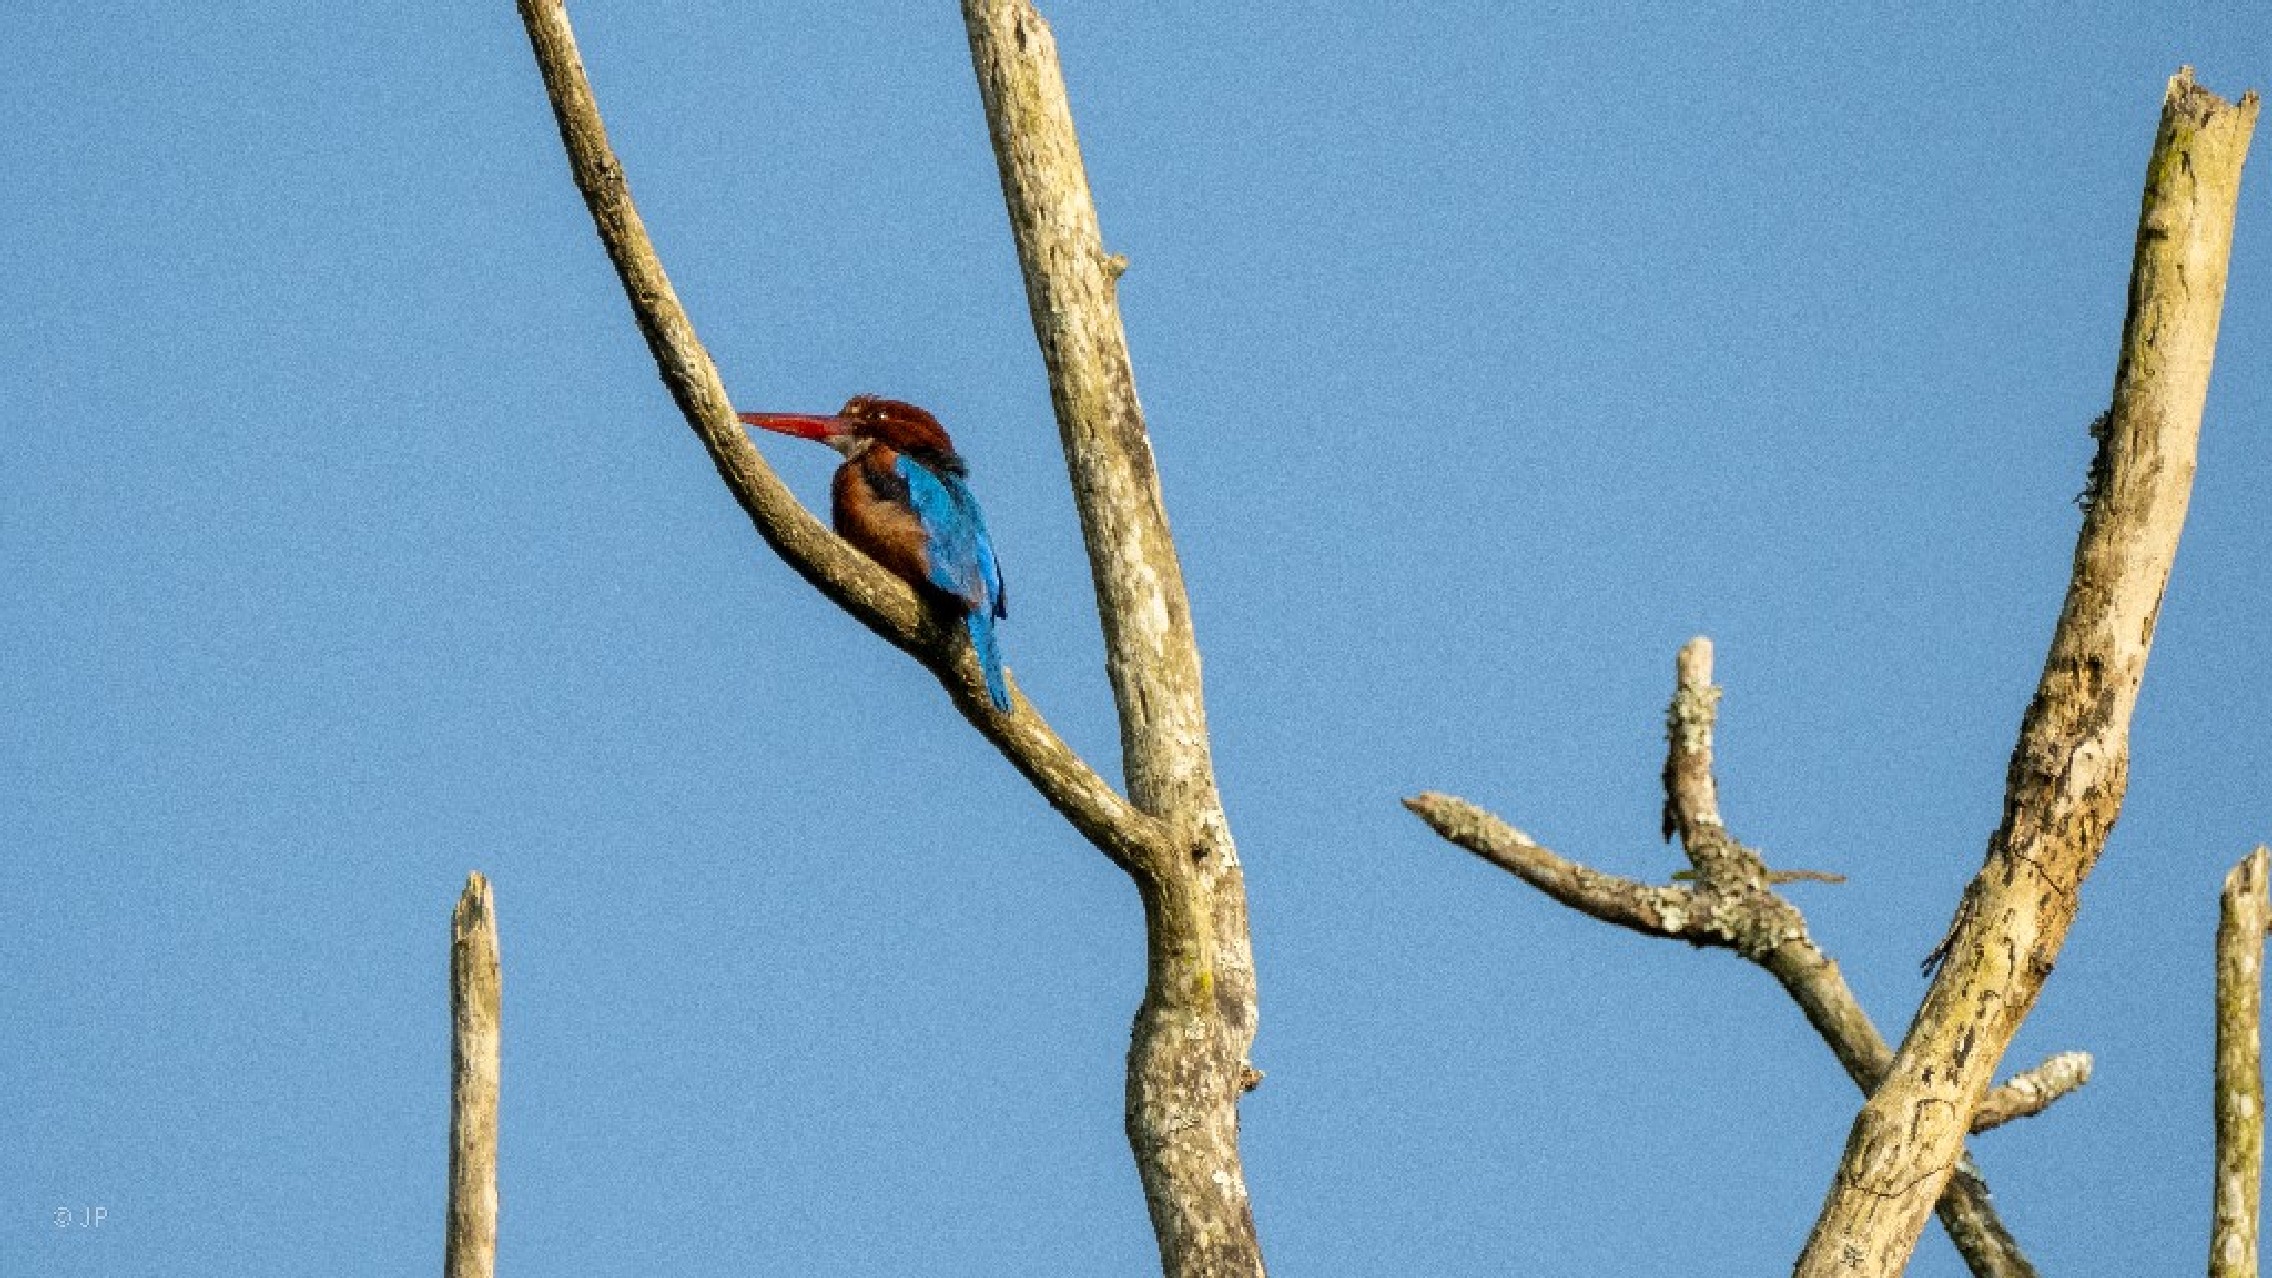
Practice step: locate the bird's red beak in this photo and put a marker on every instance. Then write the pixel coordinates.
(826, 430)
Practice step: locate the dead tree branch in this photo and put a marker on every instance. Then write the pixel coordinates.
(2068, 771)
(1188, 1059)
(2032, 1091)
(469, 1248)
(2244, 911)
(1733, 905)
(1187, 1062)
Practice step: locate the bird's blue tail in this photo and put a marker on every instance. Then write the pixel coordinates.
(981, 623)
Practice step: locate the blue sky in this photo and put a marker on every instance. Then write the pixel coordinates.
(348, 542)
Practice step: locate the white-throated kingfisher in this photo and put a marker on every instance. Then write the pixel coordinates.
(901, 497)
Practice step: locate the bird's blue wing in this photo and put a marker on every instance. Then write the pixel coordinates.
(990, 571)
(961, 559)
(954, 533)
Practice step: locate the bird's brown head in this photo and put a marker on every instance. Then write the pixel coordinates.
(896, 424)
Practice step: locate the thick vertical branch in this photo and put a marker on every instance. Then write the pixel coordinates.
(1188, 1058)
(1070, 289)
(476, 987)
(2067, 775)
(2243, 913)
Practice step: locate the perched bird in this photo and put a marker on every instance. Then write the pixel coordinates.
(900, 497)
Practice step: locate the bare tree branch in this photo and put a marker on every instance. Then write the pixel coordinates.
(869, 593)
(469, 1248)
(1188, 1058)
(1732, 905)
(2032, 1091)
(1669, 911)
(2244, 911)
(1692, 794)
(2065, 786)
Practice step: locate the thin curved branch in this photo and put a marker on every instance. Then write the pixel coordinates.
(2064, 788)
(870, 594)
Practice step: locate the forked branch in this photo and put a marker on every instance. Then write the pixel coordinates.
(1732, 904)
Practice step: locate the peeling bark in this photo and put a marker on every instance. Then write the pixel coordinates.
(2068, 771)
(1187, 1061)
